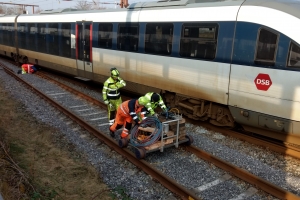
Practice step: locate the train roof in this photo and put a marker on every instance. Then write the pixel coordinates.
(62, 10)
(184, 3)
(288, 6)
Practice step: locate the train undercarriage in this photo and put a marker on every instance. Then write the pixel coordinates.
(200, 109)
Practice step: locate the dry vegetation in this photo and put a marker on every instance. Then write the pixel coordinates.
(35, 163)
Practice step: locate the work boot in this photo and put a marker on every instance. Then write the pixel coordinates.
(112, 134)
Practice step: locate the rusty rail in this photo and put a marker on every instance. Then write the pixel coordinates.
(244, 175)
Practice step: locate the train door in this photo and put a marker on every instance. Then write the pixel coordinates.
(84, 49)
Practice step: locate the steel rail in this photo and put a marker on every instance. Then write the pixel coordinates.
(279, 148)
(244, 175)
(166, 181)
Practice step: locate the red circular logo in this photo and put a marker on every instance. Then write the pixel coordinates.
(263, 82)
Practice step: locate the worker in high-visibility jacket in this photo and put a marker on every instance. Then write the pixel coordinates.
(128, 112)
(111, 93)
(151, 100)
(28, 69)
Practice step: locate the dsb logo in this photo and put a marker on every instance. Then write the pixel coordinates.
(263, 82)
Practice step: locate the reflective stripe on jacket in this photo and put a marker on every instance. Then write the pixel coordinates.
(131, 108)
(111, 88)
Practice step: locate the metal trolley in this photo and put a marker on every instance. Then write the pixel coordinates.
(169, 136)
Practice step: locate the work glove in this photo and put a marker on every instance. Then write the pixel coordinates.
(156, 115)
(106, 102)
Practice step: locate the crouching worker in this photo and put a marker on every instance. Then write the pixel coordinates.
(151, 100)
(27, 69)
(127, 112)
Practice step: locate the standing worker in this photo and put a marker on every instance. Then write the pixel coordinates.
(151, 100)
(111, 94)
(127, 112)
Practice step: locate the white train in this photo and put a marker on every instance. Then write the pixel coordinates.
(226, 61)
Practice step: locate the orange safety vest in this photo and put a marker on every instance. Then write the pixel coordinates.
(125, 108)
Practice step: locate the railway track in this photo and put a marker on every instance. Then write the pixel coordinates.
(189, 189)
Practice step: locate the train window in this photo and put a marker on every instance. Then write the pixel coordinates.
(31, 37)
(66, 40)
(266, 47)
(294, 56)
(199, 41)
(41, 38)
(53, 37)
(1, 33)
(10, 36)
(22, 35)
(22, 28)
(158, 38)
(128, 37)
(105, 35)
(32, 29)
(4, 34)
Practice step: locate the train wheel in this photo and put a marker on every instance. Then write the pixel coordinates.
(123, 143)
(190, 140)
(25, 60)
(140, 153)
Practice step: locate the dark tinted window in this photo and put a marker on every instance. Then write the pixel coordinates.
(66, 40)
(22, 30)
(198, 41)
(1, 33)
(128, 37)
(158, 38)
(8, 34)
(53, 37)
(87, 39)
(266, 47)
(105, 36)
(41, 38)
(4, 34)
(84, 42)
(31, 36)
(294, 56)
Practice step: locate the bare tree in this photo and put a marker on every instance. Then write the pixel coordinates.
(97, 5)
(2, 10)
(83, 5)
(11, 10)
(37, 11)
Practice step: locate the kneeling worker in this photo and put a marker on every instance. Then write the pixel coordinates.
(151, 100)
(127, 113)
